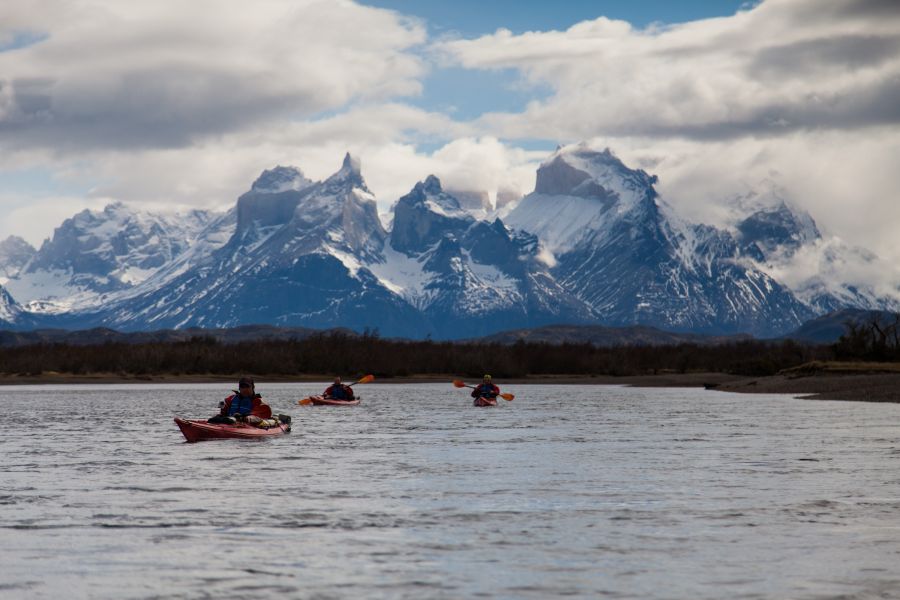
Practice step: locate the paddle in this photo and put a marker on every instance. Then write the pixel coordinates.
(459, 384)
(366, 379)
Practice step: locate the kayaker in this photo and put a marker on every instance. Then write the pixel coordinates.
(241, 405)
(339, 391)
(486, 389)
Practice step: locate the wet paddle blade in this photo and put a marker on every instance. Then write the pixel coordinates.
(508, 397)
(305, 402)
(367, 379)
(458, 383)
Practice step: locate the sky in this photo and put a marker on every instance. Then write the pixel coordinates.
(166, 105)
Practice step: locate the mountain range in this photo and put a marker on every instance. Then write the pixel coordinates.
(593, 244)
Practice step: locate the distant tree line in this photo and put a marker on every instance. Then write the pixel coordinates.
(337, 352)
(874, 339)
(349, 355)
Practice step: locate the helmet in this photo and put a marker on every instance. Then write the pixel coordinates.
(487, 378)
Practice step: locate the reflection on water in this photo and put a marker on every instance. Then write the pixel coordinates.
(569, 490)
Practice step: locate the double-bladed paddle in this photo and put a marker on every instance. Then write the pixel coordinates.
(459, 384)
(366, 379)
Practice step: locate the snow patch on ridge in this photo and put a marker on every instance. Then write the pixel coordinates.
(560, 222)
(403, 275)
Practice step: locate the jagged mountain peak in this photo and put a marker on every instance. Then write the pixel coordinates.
(280, 179)
(431, 185)
(10, 310)
(15, 253)
(579, 170)
(778, 227)
(425, 215)
(351, 168)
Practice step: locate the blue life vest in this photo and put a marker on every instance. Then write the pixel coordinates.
(338, 392)
(240, 404)
(486, 390)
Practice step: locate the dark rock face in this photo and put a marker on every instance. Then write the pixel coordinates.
(424, 216)
(778, 227)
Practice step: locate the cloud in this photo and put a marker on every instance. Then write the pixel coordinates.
(777, 68)
(800, 92)
(165, 74)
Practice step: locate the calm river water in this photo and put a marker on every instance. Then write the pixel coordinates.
(584, 491)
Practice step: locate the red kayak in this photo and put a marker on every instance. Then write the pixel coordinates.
(196, 430)
(485, 401)
(322, 401)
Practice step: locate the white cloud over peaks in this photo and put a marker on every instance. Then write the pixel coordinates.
(165, 73)
(782, 66)
(801, 92)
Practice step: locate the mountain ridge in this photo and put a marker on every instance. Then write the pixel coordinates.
(593, 244)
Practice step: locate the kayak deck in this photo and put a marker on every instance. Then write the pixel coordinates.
(321, 401)
(484, 402)
(196, 430)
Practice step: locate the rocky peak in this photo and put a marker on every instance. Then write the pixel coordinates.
(424, 216)
(778, 226)
(280, 179)
(350, 171)
(432, 185)
(580, 171)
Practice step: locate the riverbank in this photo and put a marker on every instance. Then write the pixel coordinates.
(868, 382)
(864, 382)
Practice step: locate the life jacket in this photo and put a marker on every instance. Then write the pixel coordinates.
(486, 390)
(339, 392)
(237, 404)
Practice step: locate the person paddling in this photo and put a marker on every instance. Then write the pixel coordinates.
(243, 405)
(338, 391)
(486, 389)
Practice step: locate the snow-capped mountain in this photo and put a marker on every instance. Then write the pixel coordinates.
(10, 311)
(777, 230)
(97, 253)
(14, 254)
(468, 276)
(621, 250)
(592, 244)
(295, 258)
(822, 271)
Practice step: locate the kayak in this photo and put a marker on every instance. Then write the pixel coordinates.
(320, 401)
(196, 430)
(485, 401)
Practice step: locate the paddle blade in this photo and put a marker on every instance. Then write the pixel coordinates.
(507, 397)
(458, 383)
(367, 379)
(305, 402)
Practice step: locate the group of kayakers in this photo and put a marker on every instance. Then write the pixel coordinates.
(246, 405)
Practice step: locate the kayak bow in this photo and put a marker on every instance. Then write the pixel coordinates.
(482, 401)
(322, 401)
(196, 430)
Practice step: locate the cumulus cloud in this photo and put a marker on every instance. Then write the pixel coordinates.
(796, 91)
(782, 66)
(163, 74)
